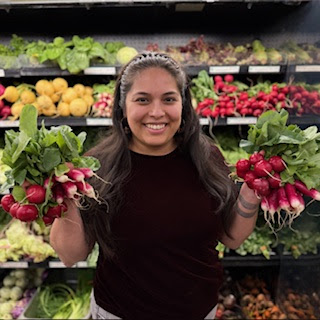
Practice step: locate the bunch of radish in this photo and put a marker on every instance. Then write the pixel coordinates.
(71, 185)
(302, 101)
(233, 98)
(263, 176)
(103, 106)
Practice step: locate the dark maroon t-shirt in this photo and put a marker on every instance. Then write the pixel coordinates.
(167, 230)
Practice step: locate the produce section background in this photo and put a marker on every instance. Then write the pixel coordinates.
(175, 23)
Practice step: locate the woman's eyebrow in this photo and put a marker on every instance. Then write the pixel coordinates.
(171, 92)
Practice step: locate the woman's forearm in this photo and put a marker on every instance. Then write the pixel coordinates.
(67, 237)
(245, 217)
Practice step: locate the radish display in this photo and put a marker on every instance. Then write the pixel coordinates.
(46, 168)
(284, 166)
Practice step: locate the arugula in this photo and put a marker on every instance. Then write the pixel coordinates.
(300, 149)
(34, 154)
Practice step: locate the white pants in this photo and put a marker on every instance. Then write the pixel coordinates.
(99, 313)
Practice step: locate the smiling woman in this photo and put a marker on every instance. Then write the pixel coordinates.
(153, 111)
(169, 202)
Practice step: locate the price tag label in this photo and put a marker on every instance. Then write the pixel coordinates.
(2, 73)
(9, 124)
(309, 68)
(247, 120)
(224, 69)
(13, 264)
(264, 69)
(204, 121)
(82, 264)
(99, 122)
(56, 264)
(100, 71)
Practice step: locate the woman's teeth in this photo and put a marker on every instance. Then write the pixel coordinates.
(155, 126)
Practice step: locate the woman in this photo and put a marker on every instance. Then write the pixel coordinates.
(170, 200)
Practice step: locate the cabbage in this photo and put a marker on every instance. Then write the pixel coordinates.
(16, 293)
(20, 274)
(9, 281)
(5, 293)
(5, 308)
(125, 54)
(22, 283)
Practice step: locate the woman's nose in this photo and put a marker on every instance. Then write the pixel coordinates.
(156, 109)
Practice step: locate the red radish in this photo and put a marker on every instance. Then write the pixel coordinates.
(55, 212)
(241, 174)
(302, 205)
(88, 173)
(218, 79)
(27, 213)
(275, 180)
(76, 175)
(36, 194)
(48, 220)
(2, 89)
(25, 184)
(243, 165)
(261, 186)
(5, 112)
(46, 182)
(284, 203)
(62, 179)
(86, 189)
(57, 193)
(249, 177)
(312, 193)
(273, 203)
(277, 163)
(7, 201)
(14, 208)
(262, 168)
(228, 78)
(292, 195)
(70, 189)
(255, 157)
(264, 205)
(69, 165)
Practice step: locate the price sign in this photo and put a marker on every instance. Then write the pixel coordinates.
(264, 69)
(238, 120)
(56, 264)
(100, 71)
(204, 121)
(9, 124)
(82, 264)
(2, 73)
(99, 122)
(309, 68)
(14, 264)
(224, 69)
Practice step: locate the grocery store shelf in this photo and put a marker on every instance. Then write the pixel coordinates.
(106, 122)
(275, 260)
(227, 261)
(191, 70)
(70, 121)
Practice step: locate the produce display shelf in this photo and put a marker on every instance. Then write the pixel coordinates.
(108, 2)
(191, 70)
(275, 260)
(106, 122)
(229, 260)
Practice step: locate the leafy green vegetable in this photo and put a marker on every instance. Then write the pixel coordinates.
(35, 154)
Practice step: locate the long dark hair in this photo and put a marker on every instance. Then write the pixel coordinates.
(114, 154)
